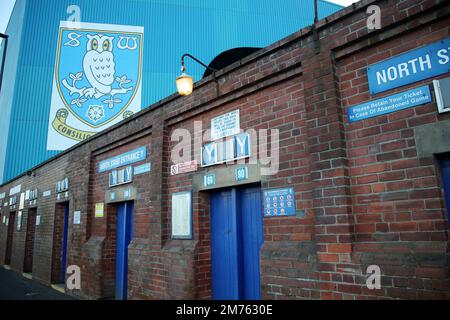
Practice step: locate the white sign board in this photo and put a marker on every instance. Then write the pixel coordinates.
(77, 217)
(22, 201)
(15, 190)
(182, 215)
(38, 220)
(19, 221)
(47, 193)
(225, 125)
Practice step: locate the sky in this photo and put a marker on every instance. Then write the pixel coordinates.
(6, 7)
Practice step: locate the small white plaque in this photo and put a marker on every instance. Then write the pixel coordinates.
(22, 201)
(19, 220)
(77, 217)
(225, 125)
(182, 215)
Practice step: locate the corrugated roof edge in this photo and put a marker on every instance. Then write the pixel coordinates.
(296, 35)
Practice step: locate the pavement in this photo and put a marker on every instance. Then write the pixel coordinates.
(14, 286)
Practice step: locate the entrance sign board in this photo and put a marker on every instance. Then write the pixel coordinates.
(123, 159)
(15, 190)
(396, 102)
(182, 215)
(225, 125)
(279, 202)
(416, 65)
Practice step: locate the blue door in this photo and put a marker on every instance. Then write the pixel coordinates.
(252, 238)
(123, 239)
(64, 243)
(445, 167)
(236, 239)
(224, 246)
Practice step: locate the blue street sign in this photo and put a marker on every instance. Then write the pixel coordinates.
(399, 101)
(410, 67)
(279, 202)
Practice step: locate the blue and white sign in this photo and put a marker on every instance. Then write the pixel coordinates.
(238, 147)
(143, 168)
(209, 180)
(124, 159)
(225, 125)
(396, 102)
(122, 176)
(241, 173)
(279, 202)
(97, 80)
(410, 67)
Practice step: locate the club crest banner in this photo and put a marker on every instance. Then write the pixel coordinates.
(97, 80)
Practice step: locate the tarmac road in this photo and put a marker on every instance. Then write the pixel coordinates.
(16, 287)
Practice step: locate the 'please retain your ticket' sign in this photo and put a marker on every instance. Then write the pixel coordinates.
(416, 65)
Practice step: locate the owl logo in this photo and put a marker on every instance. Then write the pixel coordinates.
(98, 73)
(99, 65)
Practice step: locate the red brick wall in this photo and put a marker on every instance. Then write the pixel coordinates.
(367, 196)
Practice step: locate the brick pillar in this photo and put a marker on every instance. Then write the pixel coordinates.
(329, 176)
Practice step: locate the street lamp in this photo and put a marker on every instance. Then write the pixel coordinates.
(185, 83)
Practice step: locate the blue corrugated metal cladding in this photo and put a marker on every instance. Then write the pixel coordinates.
(203, 28)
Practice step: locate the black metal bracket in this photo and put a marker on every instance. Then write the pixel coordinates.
(183, 68)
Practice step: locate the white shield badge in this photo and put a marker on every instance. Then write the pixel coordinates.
(97, 80)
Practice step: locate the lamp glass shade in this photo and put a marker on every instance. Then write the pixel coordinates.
(185, 84)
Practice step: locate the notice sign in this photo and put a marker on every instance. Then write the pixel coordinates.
(279, 202)
(124, 159)
(184, 167)
(182, 215)
(77, 217)
(410, 67)
(225, 125)
(99, 210)
(396, 102)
